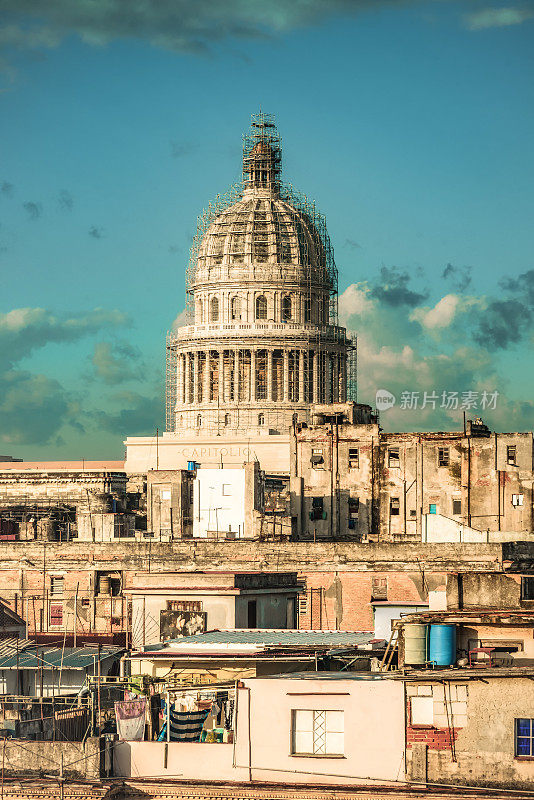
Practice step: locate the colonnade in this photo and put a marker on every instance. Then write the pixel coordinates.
(259, 375)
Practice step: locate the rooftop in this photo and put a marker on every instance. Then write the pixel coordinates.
(255, 641)
(57, 466)
(26, 654)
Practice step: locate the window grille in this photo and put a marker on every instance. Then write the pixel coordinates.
(317, 732)
(56, 614)
(57, 585)
(443, 456)
(354, 458)
(393, 457)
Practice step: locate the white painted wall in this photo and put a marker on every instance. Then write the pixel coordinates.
(219, 502)
(373, 737)
(384, 614)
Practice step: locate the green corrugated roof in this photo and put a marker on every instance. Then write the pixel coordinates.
(33, 657)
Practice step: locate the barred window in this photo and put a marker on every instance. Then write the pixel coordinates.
(317, 733)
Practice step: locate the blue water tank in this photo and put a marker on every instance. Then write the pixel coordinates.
(442, 645)
(191, 466)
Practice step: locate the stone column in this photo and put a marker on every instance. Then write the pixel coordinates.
(328, 379)
(206, 386)
(221, 377)
(196, 361)
(286, 375)
(301, 375)
(252, 374)
(315, 379)
(343, 382)
(187, 377)
(179, 379)
(335, 393)
(269, 375)
(236, 376)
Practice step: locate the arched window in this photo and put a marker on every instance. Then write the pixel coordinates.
(235, 308)
(214, 309)
(227, 419)
(261, 419)
(286, 308)
(261, 307)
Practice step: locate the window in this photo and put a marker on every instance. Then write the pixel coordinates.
(235, 308)
(184, 605)
(227, 419)
(517, 499)
(413, 512)
(317, 733)
(432, 508)
(379, 588)
(57, 584)
(511, 454)
(199, 311)
(354, 458)
(456, 508)
(524, 735)
(527, 587)
(286, 309)
(261, 307)
(307, 309)
(56, 614)
(214, 309)
(261, 419)
(199, 420)
(317, 459)
(394, 507)
(393, 457)
(443, 456)
(252, 610)
(422, 710)
(317, 509)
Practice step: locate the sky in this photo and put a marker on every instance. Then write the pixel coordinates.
(410, 123)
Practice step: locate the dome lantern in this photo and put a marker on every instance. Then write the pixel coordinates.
(262, 157)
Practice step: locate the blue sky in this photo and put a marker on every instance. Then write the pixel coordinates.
(410, 123)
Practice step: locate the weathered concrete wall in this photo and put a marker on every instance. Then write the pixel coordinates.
(79, 760)
(344, 575)
(479, 748)
(235, 556)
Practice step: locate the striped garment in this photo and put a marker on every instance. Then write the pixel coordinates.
(186, 726)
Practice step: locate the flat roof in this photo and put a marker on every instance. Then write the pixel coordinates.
(26, 654)
(255, 641)
(57, 466)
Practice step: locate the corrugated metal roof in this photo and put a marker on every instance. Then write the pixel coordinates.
(272, 638)
(27, 655)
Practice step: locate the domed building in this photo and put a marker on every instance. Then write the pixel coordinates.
(261, 347)
(263, 343)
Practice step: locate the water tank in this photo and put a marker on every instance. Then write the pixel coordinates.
(415, 643)
(191, 466)
(442, 645)
(104, 585)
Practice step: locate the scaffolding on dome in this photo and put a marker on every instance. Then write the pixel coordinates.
(245, 227)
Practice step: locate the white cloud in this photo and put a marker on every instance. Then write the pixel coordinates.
(497, 17)
(440, 316)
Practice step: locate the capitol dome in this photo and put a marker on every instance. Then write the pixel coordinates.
(263, 342)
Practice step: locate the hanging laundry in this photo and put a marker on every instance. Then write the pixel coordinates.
(187, 726)
(130, 716)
